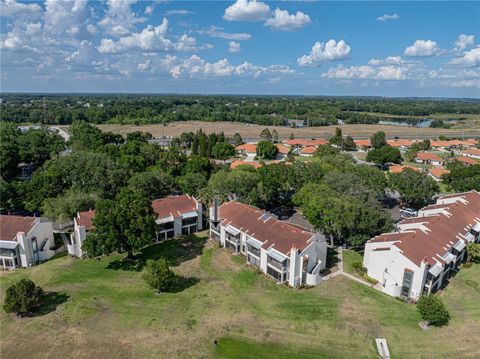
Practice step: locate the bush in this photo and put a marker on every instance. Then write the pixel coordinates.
(433, 310)
(473, 252)
(159, 276)
(22, 297)
(359, 268)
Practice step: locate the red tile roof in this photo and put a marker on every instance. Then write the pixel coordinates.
(174, 206)
(428, 156)
(400, 169)
(438, 172)
(86, 219)
(400, 143)
(363, 143)
(309, 150)
(471, 151)
(247, 147)
(11, 225)
(306, 143)
(235, 164)
(282, 149)
(442, 231)
(281, 235)
(465, 160)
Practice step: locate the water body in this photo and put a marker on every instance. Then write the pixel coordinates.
(420, 123)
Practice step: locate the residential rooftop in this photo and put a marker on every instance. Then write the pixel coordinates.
(10, 225)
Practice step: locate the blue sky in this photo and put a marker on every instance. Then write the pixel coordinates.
(250, 47)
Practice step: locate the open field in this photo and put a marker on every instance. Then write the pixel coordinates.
(103, 309)
(253, 131)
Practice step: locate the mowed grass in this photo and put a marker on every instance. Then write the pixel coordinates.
(350, 256)
(102, 308)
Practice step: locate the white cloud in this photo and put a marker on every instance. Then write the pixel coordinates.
(387, 17)
(324, 52)
(217, 32)
(469, 58)
(119, 19)
(390, 61)
(367, 72)
(84, 55)
(150, 39)
(464, 41)
(423, 48)
(178, 12)
(234, 47)
(197, 67)
(12, 8)
(247, 10)
(284, 21)
(149, 10)
(67, 16)
(455, 77)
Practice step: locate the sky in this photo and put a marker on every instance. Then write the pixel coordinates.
(398, 49)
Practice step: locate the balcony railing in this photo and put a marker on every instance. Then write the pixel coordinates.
(280, 266)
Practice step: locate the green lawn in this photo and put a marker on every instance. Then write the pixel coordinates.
(351, 256)
(102, 308)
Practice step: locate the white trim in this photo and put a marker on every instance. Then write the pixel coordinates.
(232, 230)
(279, 257)
(189, 215)
(459, 246)
(8, 244)
(164, 220)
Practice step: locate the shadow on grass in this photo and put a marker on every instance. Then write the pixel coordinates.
(51, 300)
(176, 251)
(183, 283)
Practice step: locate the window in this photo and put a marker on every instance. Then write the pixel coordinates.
(407, 282)
(253, 250)
(253, 260)
(189, 221)
(274, 273)
(165, 226)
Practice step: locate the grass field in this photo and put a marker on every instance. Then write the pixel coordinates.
(253, 131)
(103, 309)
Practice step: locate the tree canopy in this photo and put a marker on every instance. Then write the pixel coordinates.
(266, 150)
(384, 154)
(416, 188)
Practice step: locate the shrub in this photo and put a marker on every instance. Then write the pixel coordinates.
(433, 310)
(22, 297)
(473, 252)
(159, 276)
(359, 268)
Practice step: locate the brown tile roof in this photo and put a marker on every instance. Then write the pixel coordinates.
(281, 235)
(400, 169)
(282, 148)
(363, 143)
(11, 225)
(400, 143)
(309, 150)
(86, 219)
(306, 143)
(471, 151)
(465, 160)
(442, 233)
(247, 147)
(438, 172)
(174, 206)
(428, 156)
(450, 143)
(235, 164)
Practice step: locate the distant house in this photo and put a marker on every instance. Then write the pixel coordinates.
(295, 123)
(82, 224)
(308, 151)
(450, 144)
(246, 149)
(363, 145)
(425, 251)
(296, 143)
(437, 172)
(400, 143)
(175, 216)
(25, 241)
(287, 253)
(465, 160)
(400, 169)
(428, 158)
(470, 152)
(282, 150)
(235, 164)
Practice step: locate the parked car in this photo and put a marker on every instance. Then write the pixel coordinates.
(408, 212)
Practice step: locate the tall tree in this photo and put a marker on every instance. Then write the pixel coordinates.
(9, 150)
(275, 136)
(385, 154)
(378, 139)
(127, 223)
(416, 188)
(265, 134)
(266, 150)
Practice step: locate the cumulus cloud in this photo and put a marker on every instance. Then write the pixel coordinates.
(12, 8)
(119, 19)
(195, 66)
(217, 32)
(247, 10)
(367, 72)
(455, 77)
(423, 48)
(390, 61)
(150, 39)
(284, 21)
(84, 55)
(325, 52)
(464, 41)
(68, 16)
(469, 58)
(387, 17)
(234, 47)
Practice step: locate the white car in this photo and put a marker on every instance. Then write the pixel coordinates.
(408, 212)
